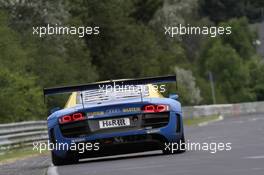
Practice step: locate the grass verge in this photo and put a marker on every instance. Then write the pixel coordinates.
(16, 154)
(198, 120)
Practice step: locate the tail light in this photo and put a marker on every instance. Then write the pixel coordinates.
(77, 116)
(71, 118)
(155, 108)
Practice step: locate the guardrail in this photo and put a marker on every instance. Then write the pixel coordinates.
(224, 110)
(24, 133)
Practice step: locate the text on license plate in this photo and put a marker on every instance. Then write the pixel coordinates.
(114, 123)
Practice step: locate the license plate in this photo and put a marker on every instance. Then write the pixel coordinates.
(113, 123)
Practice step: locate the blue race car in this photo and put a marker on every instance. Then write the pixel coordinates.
(114, 117)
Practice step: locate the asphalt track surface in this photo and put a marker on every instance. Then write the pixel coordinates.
(245, 158)
(246, 133)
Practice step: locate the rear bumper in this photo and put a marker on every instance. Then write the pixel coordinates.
(168, 133)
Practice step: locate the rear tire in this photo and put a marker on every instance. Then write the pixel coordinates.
(69, 159)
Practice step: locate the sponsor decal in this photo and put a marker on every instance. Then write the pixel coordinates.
(132, 109)
(92, 114)
(112, 111)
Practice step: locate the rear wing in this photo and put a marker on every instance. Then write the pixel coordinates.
(120, 82)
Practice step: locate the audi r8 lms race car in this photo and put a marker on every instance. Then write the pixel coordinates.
(100, 119)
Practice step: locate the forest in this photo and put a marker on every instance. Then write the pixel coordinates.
(131, 44)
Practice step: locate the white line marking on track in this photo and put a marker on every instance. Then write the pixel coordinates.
(211, 121)
(52, 170)
(255, 157)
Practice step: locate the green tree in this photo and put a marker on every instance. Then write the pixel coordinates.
(20, 97)
(52, 61)
(125, 47)
(256, 71)
(223, 10)
(230, 74)
(241, 38)
(189, 92)
(12, 56)
(145, 10)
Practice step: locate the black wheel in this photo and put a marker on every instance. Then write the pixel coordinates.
(179, 148)
(69, 159)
